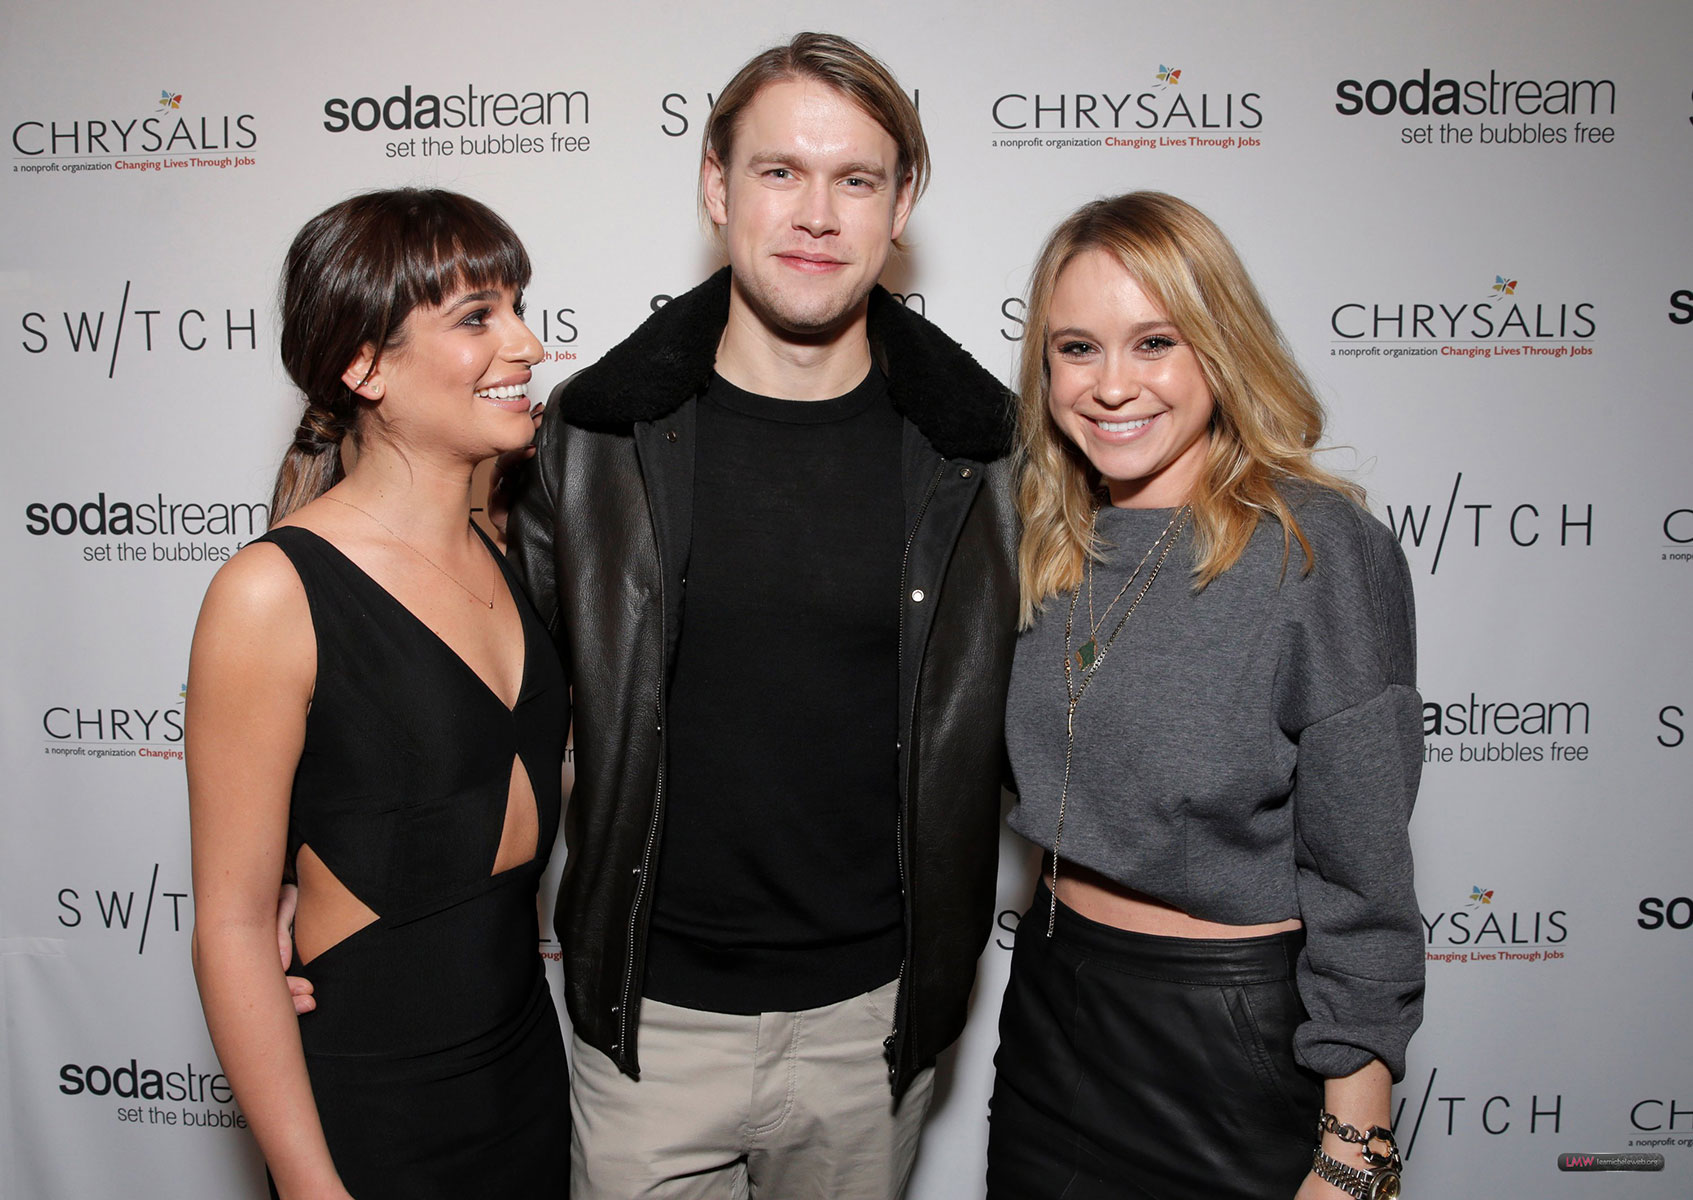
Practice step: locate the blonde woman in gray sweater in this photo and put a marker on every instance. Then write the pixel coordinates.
(1216, 737)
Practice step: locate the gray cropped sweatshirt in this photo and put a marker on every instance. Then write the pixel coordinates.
(1250, 753)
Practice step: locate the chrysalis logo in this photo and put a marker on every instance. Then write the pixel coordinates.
(122, 134)
(100, 724)
(1162, 106)
(1496, 318)
(150, 730)
(1519, 930)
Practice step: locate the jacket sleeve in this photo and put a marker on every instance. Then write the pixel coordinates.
(1348, 695)
(531, 530)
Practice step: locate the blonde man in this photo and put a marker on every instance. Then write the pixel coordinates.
(772, 533)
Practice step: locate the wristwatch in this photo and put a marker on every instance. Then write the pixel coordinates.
(1380, 1181)
(1377, 1183)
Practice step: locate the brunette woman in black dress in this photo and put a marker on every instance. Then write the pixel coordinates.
(376, 712)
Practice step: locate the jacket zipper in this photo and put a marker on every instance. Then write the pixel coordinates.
(899, 826)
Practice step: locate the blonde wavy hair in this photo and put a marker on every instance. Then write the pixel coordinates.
(1266, 423)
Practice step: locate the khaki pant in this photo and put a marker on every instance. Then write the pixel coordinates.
(779, 1106)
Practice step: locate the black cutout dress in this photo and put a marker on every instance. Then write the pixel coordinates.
(434, 1054)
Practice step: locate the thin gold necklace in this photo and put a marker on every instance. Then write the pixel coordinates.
(488, 603)
(1085, 662)
(1085, 653)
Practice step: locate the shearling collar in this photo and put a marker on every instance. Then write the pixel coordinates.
(962, 410)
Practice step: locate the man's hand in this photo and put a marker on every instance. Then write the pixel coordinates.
(299, 990)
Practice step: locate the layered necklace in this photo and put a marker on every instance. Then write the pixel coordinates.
(1082, 663)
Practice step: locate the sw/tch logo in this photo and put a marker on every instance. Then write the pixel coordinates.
(117, 912)
(1499, 1115)
(160, 142)
(1674, 733)
(178, 328)
(677, 121)
(1510, 522)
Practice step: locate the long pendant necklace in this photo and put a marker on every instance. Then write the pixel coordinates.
(1082, 664)
(488, 603)
(1088, 650)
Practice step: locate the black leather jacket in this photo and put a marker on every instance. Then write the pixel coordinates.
(600, 531)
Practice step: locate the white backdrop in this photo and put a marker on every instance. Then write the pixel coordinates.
(1472, 222)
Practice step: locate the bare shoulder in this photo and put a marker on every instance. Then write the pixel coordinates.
(258, 585)
(255, 618)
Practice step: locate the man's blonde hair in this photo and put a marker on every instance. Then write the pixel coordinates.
(842, 65)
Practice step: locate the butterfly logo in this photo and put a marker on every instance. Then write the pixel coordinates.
(1169, 75)
(170, 99)
(1478, 897)
(1503, 286)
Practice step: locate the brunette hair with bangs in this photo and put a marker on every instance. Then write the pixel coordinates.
(353, 275)
(1265, 426)
(842, 65)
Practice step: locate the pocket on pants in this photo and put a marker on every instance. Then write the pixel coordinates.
(880, 1001)
(1264, 1017)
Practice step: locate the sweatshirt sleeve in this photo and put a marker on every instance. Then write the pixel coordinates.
(1347, 695)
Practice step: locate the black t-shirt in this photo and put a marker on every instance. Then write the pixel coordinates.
(778, 872)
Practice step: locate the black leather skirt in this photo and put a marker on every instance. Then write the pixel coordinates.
(1137, 1067)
